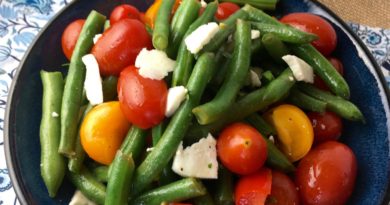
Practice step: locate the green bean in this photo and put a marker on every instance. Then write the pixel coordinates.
(88, 185)
(119, 181)
(305, 101)
(52, 163)
(267, 77)
(185, 58)
(161, 25)
(122, 168)
(181, 21)
(260, 4)
(275, 158)
(110, 88)
(260, 124)
(76, 162)
(323, 68)
(224, 194)
(178, 191)
(205, 199)
(101, 173)
(336, 104)
(258, 15)
(286, 33)
(226, 27)
(274, 46)
(166, 147)
(157, 132)
(74, 84)
(236, 75)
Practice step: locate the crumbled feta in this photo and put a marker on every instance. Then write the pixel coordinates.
(55, 114)
(96, 37)
(203, 3)
(200, 37)
(199, 160)
(176, 95)
(255, 80)
(79, 199)
(93, 82)
(149, 149)
(255, 34)
(301, 70)
(154, 64)
(271, 138)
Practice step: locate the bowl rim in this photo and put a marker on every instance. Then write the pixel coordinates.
(21, 192)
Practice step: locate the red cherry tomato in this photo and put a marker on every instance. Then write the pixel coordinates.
(241, 148)
(283, 190)
(226, 9)
(327, 126)
(124, 11)
(314, 24)
(327, 174)
(120, 45)
(253, 189)
(319, 83)
(70, 36)
(142, 100)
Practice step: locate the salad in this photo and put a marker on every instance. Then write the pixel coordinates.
(197, 102)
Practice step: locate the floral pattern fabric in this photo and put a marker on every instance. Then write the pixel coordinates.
(21, 20)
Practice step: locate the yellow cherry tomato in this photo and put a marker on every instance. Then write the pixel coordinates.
(102, 131)
(151, 13)
(294, 130)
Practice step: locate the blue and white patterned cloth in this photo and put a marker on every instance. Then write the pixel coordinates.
(21, 20)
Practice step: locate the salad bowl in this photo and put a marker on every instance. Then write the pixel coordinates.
(369, 141)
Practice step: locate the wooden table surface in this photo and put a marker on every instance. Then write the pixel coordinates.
(375, 13)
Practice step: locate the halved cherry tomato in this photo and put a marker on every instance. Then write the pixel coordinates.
(124, 11)
(151, 13)
(294, 130)
(241, 148)
(319, 83)
(283, 190)
(102, 131)
(327, 126)
(142, 100)
(327, 174)
(70, 36)
(226, 9)
(314, 24)
(253, 189)
(120, 45)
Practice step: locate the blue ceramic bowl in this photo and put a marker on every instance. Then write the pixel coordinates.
(369, 141)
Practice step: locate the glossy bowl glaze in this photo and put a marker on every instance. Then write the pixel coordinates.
(369, 141)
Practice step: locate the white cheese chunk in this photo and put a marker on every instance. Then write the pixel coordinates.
(96, 37)
(301, 70)
(255, 80)
(199, 160)
(203, 3)
(154, 64)
(55, 114)
(79, 199)
(176, 95)
(255, 34)
(93, 82)
(200, 37)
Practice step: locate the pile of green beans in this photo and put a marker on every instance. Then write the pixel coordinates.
(218, 95)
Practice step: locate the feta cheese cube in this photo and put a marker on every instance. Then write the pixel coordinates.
(199, 160)
(79, 199)
(154, 64)
(300, 69)
(176, 95)
(96, 37)
(203, 3)
(200, 37)
(255, 34)
(93, 82)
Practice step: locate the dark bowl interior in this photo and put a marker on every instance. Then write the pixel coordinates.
(369, 141)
